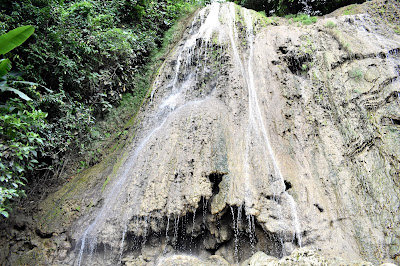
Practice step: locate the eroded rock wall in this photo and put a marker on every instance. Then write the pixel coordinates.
(260, 136)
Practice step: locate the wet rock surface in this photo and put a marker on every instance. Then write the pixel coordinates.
(257, 141)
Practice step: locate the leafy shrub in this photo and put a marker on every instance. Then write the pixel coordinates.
(356, 74)
(18, 121)
(302, 18)
(19, 145)
(330, 24)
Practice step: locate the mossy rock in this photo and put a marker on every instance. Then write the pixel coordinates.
(76, 198)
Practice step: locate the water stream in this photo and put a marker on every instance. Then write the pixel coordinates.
(175, 100)
(171, 104)
(257, 128)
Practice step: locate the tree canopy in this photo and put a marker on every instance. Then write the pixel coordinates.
(284, 7)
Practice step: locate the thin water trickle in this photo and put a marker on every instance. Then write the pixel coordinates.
(191, 235)
(251, 232)
(256, 126)
(166, 236)
(236, 233)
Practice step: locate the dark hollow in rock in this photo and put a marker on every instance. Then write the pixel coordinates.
(288, 185)
(319, 207)
(388, 121)
(215, 179)
(297, 63)
(232, 234)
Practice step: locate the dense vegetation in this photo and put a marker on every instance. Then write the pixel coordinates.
(83, 57)
(285, 7)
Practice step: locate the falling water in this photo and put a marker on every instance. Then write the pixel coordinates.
(255, 114)
(255, 118)
(171, 104)
(307, 9)
(236, 234)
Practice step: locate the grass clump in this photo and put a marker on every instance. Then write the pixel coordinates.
(338, 36)
(349, 10)
(356, 74)
(330, 24)
(265, 20)
(302, 18)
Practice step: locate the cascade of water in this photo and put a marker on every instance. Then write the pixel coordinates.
(233, 37)
(307, 9)
(191, 234)
(88, 240)
(90, 234)
(236, 232)
(251, 232)
(121, 248)
(166, 235)
(257, 125)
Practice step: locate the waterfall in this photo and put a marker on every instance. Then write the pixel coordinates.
(256, 127)
(260, 138)
(192, 59)
(172, 103)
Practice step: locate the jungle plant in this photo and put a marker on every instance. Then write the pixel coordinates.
(18, 121)
(8, 42)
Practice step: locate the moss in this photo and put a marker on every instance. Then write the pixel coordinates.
(116, 166)
(350, 10)
(356, 74)
(215, 38)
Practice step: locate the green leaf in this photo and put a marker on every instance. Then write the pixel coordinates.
(4, 213)
(19, 93)
(15, 38)
(5, 66)
(31, 84)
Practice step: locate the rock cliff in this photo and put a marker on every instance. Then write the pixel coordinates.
(264, 142)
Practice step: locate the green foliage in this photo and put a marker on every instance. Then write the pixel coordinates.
(8, 42)
(302, 18)
(18, 138)
(349, 10)
(89, 53)
(91, 49)
(20, 142)
(14, 38)
(330, 24)
(356, 74)
(284, 7)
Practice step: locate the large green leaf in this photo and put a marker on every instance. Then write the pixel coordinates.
(4, 213)
(15, 38)
(31, 84)
(5, 66)
(19, 93)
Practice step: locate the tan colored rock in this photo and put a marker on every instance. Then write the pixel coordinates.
(285, 138)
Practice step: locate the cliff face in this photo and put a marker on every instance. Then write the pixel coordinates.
(260, 135)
